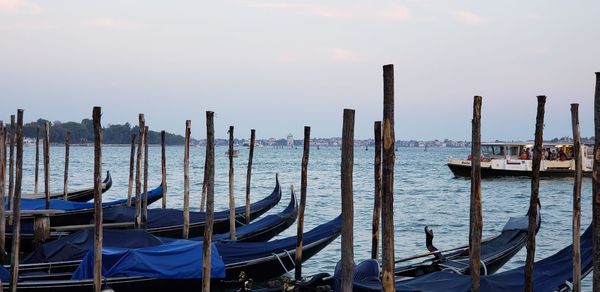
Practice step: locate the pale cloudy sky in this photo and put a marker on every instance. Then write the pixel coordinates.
(279, 65)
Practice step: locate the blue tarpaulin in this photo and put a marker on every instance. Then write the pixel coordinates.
(59, 204)
(178, 259)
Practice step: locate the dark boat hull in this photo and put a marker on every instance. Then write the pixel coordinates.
(465, 171)
(78, 195)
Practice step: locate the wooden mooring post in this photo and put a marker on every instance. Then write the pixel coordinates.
(347, 200)
(231, 196)
(535, 187)
(163, 167)
(377, 192)
(186, 180)
(145, 199)
(138, 172)
(475, 214)
(576, 198)
(66, 177)
(203, 196)
(209, 180)
(249, 173)
(37, 159)
(47, 164)
(596, 188)
(96, 115)
(131, 167)
(303, 190)
(2, 192)
(387, 180)
(11, 166)
(14, 263)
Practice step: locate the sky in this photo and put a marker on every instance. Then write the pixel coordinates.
(278, 66)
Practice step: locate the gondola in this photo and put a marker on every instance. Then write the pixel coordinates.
(83, 195)
(78, 243)
(495, 252)
(554, 273)
(257, 261)
(161, 222)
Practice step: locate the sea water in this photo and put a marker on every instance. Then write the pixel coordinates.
(425, 193)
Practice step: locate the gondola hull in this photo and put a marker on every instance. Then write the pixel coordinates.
(77, 195)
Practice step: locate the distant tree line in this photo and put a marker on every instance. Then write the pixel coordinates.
(83, 133)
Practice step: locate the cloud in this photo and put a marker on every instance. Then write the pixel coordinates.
(468, 18)
(390, 13)
(19, 7)
(107, 22)
(339, 54)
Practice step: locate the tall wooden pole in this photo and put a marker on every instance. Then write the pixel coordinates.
(576, 198)
(347, 200)
(377, 194)
(2, 192)
(186, 180)
(138, 172)
(249, 173)
(37, 158)
(14, 263)
(535, 186)
(11, 166)
(476, 217)
(96, 115)
(145, 202)
(209, 180)
(596, 187)
(303, 188)
(66, 178)
(163, 164)
(131, 164)
(387, 180)
(47, 165)
(231, 196)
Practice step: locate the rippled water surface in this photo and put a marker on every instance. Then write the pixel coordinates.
(425, 193)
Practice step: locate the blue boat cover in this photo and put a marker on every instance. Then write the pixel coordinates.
(76, 245)
(236, 252)
(170, 217)
(178, 259)
(59, 204)
(548, 275)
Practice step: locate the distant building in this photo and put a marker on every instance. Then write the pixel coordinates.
(290, 139)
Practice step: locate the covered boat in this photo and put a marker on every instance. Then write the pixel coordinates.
(83, 195)
(515, 159)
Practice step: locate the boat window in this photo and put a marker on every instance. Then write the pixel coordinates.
(492, 150)
(513, 150)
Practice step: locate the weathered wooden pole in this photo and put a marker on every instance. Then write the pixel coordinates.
(576, 198)
(387, 180)
(138, 172)
(2, 192)
(475, 216)
(596, 187)
(37, 158)
(11, 166)
(231, 196)
(14, 263)
(145, 202)
(131, 164)
(186, 180)
(66, 178)
(377, 194)
(47, 164)
(163, 164)
(303, 187)
(96, 115)
(209, 180)
(249, 173)
(535, 187)
(347, 200)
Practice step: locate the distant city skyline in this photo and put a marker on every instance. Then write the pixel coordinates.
(277, 66)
